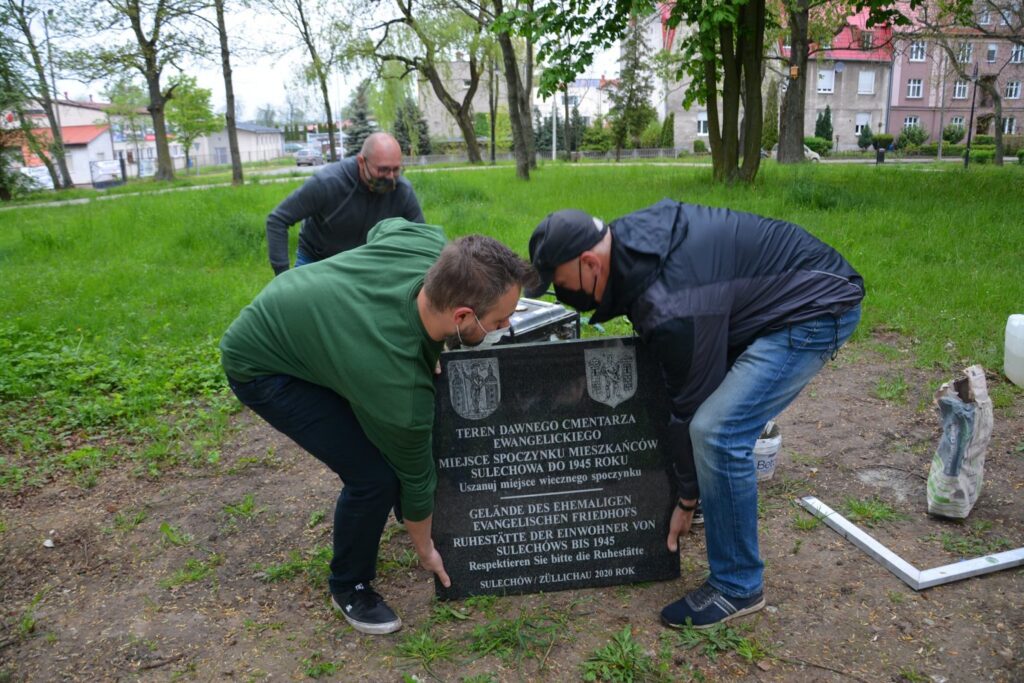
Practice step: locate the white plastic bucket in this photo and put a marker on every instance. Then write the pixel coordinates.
(766, 450)
(1013, 358)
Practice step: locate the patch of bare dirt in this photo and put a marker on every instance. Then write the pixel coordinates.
(111, 600)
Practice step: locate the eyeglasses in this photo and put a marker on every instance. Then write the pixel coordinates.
(382, 171)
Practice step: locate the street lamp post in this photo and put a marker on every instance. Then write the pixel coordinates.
(970, 120)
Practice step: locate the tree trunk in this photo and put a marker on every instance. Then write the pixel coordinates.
(791, 119)
(527, 103)
(492, 103)
(462, 112)
(157, 99)
(731, 79)
(229, 92)
(997, 109)
(321, 76)
(518, 105)
(752, 17)
(45, 99)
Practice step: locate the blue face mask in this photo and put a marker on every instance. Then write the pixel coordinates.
(578, 298)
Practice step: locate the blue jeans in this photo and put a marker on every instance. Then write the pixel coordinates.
(302, 258)
(762, 381)
(322, 422)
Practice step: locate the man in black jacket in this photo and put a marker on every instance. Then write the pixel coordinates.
(742, 311)
(341, 202)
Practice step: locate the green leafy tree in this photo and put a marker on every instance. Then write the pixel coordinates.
(668, 131)
(157, 36)
(127, 113)
(650, 138)
(420, 39)
(823, 124)
(953, 133)
(722, 54)
(577, 129)
(770, 127)
(359, 126)
(24, 56)
(864, 139)
(596, 138)
(911, 136)
(191, 114)
(410, 129)
(631, 110)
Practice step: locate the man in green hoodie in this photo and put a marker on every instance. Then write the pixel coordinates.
(340, 356)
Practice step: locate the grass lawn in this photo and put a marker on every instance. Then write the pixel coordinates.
(111, 311)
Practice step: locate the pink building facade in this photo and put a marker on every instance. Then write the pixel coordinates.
(929, 87)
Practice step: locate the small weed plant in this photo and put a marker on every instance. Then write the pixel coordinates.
(318, 667)
(719, 639)
(193, 571)
(424, 649)
(870, 512)
(892, 389)
(622, 660)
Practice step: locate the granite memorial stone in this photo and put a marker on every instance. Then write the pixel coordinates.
(550, 470)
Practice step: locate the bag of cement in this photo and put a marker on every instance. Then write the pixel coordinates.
(958, 467)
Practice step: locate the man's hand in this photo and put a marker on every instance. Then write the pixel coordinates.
(432, 562)
(679, 525)
(430, 559)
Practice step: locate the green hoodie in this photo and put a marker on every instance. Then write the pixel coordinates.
(350, 323)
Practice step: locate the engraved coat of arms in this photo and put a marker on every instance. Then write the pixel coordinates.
(474, 387)
(611, 374)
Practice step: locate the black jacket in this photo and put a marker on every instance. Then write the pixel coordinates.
(700, 284)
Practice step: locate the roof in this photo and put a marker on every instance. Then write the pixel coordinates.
(846, 45)
(74, 135)
(257, 128)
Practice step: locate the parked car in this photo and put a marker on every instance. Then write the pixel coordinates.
(308, 157)
(293, 147)
(809, 154)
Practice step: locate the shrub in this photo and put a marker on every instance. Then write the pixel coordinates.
(819, 145)
(1012, 144)
(881, 140)
(650, 138)
(911, 135)
(983, 156)
(823, 126)
(931, 149)
(699, 147)
(864, 139)
(953, 133)
(1020, 157)
(984, 140)
(668, 131)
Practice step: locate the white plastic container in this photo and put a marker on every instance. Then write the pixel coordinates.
(1013, 358)
(766, 449)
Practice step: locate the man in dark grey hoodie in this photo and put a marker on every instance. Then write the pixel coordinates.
(742, 311)
(341, 202)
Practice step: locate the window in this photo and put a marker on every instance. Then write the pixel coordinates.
(1009, 125)
(702, 123)
(862, 120)
(826, 80)
(917, 51)
(960, 90)
(966, 53)
(911, 121)
(914, 88)
(866, 82)
(1017, 56)
(957, 121)
(990, 54)
(867, 40)
(985, 16)
(1012, 91)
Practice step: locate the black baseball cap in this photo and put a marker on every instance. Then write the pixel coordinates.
(559, 238)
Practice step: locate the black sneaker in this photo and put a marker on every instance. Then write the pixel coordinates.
(366, 610)
(698, 516)
(706, 606)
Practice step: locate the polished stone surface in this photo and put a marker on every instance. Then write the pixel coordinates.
(550, 474)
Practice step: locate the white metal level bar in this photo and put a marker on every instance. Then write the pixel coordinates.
(908, 573)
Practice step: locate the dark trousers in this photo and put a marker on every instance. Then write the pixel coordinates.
(322, 422)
